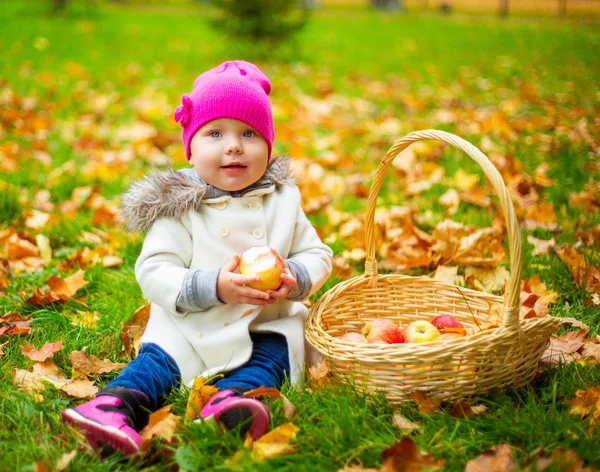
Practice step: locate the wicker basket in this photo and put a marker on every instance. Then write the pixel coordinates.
(505, 356)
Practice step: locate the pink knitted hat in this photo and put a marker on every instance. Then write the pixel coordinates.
(234, 89)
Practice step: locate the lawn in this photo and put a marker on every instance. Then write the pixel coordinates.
(85, 109)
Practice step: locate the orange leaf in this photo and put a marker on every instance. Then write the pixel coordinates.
(496, 458)
(161, 423)
(586, 403)
(263, 392)
(424, 404)
(46, 351)
(403, 456)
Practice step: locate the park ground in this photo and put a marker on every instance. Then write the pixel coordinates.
(85, 107)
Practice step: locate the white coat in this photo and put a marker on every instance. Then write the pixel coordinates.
(189, 231)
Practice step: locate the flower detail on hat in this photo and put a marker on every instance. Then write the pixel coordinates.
(182, 112)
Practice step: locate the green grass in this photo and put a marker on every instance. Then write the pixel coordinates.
(462, 63)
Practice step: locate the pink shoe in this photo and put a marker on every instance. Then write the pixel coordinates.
(228, 400)
(105, 425)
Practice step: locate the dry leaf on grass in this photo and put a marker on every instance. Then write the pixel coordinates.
(403, 456)
(289, 409)
(424, 404)
(65, 460)
(15, 324)
(85, 365)
(404, 424)
(464, 409)
(80, 388)
(497, 459)
(200, 394)
(564, 349)
(587, 403)
(46, 351)
(161, 423)
(274, 443)
(134, 329)
(60, 289)
(567, 461)
(320, 373)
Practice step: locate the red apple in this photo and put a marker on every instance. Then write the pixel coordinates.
(420, 331)
(383, 331)
(262, 262)
(448, 324)
(354, 337)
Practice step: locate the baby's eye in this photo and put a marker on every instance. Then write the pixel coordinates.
(214, 134)
(249, 133)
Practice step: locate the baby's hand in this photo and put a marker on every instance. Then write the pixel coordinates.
(231, 286)
(287, 283)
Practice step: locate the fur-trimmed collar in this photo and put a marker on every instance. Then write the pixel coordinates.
(172, 193)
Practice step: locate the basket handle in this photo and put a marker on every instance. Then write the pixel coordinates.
(512, 293)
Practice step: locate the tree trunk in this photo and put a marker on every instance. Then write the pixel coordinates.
(504, 8)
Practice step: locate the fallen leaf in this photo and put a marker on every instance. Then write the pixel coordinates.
(403, 456)
(46, 351)
(320, 373)
(464, 409)
(586, 403)
(85, 365)
(498, 458)
(80, 388)
(289, 409)
(161, 423)
(566, 460)
(564, 349)
(541, 247)
(424, 404)
(199, 396)
(60, 289)
(65, 460)
(86, 319)
(404, 424)
(134, 329)
(275, 443)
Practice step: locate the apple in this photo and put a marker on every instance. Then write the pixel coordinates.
(446, 337)
(383, 331)
(448, 324)
(355, 337)
(262, 262)
(420, 331)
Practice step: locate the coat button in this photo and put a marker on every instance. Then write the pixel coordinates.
(254, 205)
(257, 233)
(221, 205)
(223, 231)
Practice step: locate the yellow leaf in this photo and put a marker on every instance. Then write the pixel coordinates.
(199, 396)
(274, 443)
(161, 423)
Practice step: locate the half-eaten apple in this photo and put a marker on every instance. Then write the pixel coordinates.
(262, 262)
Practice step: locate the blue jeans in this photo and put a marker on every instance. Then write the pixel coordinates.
(154, 372)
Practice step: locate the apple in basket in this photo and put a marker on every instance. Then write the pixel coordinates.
(354, 337)
(448, 324)
(420, 331)
(262, 262)
(383, 332)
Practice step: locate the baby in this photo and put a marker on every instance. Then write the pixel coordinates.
(205, 319)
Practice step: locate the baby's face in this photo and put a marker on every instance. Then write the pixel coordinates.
(229, 154)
